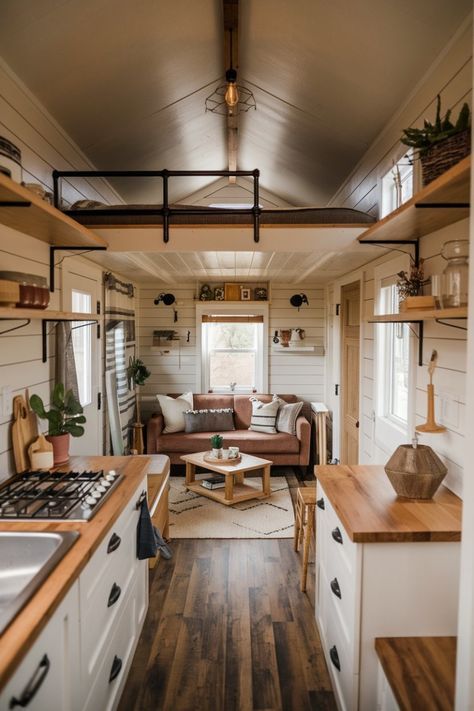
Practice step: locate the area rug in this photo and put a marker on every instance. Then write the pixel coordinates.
(196, 516)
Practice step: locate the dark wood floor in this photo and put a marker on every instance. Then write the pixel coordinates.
(228, 629)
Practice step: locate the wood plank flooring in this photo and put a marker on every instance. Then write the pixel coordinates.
(229, 630)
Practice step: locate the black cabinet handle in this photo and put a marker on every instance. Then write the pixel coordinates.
(337, 535)
(320, 503)
(335, 658)
(114, 595)
(114, 543)
(335, 588)
(33, 686)
(141, 499)
(116, 667)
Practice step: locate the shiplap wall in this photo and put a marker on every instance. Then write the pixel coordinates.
(298, 373)
(44, 146)
(452, 78)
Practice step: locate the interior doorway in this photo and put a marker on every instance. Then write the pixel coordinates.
(350, 352)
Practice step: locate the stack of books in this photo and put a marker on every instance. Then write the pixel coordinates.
(214, 482)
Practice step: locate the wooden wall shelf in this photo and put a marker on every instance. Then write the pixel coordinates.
(416, 316)
(441, 203)
(22, 210)
(46, 315)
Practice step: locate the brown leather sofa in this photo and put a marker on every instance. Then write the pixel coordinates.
(280, 448)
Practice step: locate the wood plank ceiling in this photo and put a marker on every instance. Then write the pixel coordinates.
(128, 80)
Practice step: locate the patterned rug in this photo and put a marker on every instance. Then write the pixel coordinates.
(195, 516)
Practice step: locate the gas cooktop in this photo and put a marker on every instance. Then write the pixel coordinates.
(39, 495)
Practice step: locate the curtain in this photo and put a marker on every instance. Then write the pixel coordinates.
(65, 363)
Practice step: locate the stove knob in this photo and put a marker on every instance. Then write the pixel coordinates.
(90, 500)
(100, 488)
(105, 483)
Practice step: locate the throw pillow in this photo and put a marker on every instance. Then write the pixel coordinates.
(173, 410)
(287, 415)
(263, 416)
(209, 420)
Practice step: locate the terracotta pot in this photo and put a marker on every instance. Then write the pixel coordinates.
(60, 447)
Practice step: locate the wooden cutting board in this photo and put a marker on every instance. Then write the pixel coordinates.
(24, 431)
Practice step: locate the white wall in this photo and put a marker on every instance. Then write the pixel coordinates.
(298, 373)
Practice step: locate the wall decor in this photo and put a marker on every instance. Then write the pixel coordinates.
(297, 300)
(219, 293)
(430, 424)
(245, 293)
(260, 293)
(206, 293)
(232, 292)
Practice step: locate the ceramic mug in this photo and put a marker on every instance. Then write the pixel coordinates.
(233, 452)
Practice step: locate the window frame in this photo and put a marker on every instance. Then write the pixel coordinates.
(383, 176)
(390, 431)
(231, 309)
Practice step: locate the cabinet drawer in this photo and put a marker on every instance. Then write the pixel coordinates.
(344, 591)
(112, 545)
(340, 655)
(115, 660)
(338, 542)
(48, 674)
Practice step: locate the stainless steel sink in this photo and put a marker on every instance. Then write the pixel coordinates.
(26, 560)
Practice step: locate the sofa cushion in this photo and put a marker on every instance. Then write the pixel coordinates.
(247, 441)
(173, 411)
(264, 416)
(209, 420)
(243, 408)
(287, 415)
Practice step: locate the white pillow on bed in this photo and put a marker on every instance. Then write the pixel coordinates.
(173, 410)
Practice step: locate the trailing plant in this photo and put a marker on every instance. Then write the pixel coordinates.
(137, 373)
(411, 284)
(423, 138)
(66, 413)
(216, 441)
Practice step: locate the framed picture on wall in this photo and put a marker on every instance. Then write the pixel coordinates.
(245, 293)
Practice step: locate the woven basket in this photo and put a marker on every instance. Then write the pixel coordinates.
(444, 155)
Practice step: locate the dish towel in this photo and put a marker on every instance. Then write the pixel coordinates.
(149, 539)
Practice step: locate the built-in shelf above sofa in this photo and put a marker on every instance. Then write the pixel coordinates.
(22, 210)
(441, 203)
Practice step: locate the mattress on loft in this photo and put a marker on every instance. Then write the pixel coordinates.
(133, 215)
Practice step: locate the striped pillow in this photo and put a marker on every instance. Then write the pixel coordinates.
(264, 416)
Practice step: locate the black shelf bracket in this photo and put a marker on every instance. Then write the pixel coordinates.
(443, 205)
(15, 328)
(412, 242)
(52, 252)
(44, 331)
(14, 203)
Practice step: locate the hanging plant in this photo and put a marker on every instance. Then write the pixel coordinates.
(137, 374)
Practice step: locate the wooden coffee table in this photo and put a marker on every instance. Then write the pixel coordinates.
(235, 488)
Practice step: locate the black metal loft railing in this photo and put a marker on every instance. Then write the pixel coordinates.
(166, 210)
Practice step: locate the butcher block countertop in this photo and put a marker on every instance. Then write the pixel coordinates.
(371, 511)
(25, 628)
(420, 670)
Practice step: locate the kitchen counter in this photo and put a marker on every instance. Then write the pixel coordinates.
(371, 511)
(25, 628)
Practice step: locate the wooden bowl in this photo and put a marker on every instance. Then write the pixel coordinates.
(213, 460)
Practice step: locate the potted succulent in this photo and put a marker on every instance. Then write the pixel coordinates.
(137, 373)
(216, 445)
(65, 418)
(441, 144)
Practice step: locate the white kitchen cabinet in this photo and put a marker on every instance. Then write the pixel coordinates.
(49, 674)
(377, 578)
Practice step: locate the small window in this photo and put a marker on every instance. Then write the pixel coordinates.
(232, 353)
(81, 338)
(393, 355)
(397, 185)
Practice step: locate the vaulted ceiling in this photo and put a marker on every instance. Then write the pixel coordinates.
(128, 80)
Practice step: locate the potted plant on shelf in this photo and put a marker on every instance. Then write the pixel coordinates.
(441, 144)
(216, 445)
(410, 285)
(65, 418)
(137, 373)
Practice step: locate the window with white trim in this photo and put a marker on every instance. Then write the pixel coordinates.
(81, 340)
(397, 184)
(232, 352)
(393, 358)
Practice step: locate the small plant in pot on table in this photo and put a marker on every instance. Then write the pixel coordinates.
(65, 418)
(216, 444)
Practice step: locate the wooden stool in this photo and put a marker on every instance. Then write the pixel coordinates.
(304, 525)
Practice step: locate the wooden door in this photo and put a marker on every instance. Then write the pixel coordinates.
(350, 348)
